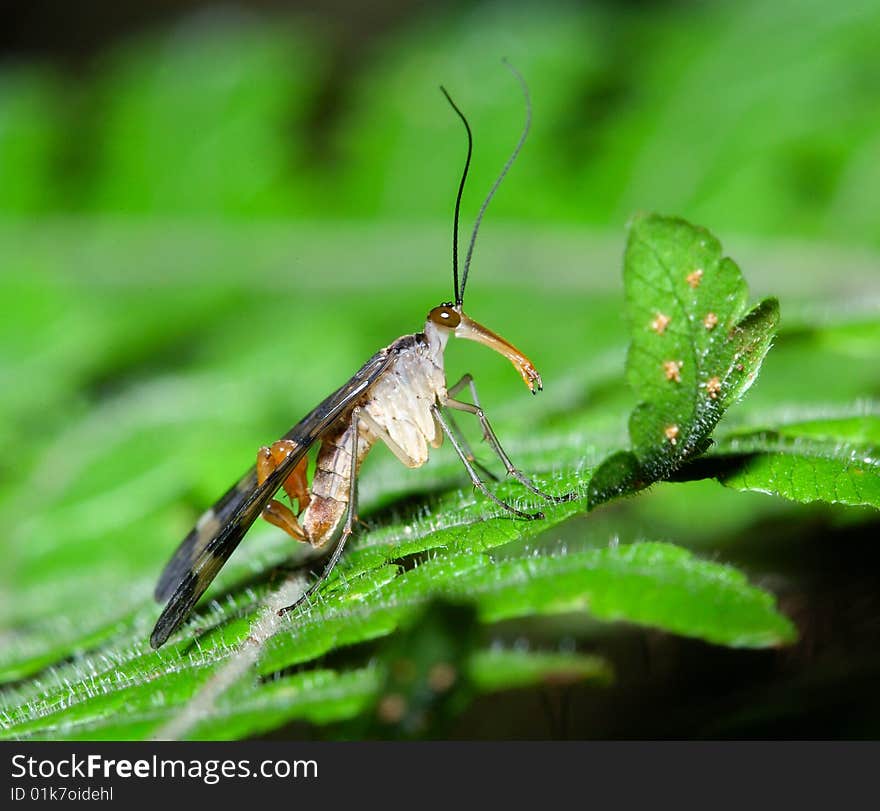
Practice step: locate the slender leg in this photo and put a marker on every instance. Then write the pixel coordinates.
(467, 380)
(477, 482)
(276, 513)
(465, 446)
(347, 528)
(489, 436)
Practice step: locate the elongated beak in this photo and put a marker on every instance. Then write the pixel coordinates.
(470, 329)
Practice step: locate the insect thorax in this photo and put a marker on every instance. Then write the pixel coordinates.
(397, 406)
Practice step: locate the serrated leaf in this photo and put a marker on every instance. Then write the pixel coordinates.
(323, 696)
(652, 584)
(655, 584)
(835, 460)
(696, 348)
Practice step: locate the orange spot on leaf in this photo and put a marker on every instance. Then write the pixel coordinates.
(672, 370)
(712, 386)
(694, 278)
(660, 323)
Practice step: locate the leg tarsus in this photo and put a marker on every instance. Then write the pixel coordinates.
(331, 563)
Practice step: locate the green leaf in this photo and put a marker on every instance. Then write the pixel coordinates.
(696, 348)
(652, 584)
(500, 669)
(320, 696)
(317, 696)
(835, 460)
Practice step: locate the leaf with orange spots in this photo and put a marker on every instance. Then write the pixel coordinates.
(832, 459)
(703, 360)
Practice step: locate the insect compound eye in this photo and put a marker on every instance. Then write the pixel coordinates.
(445, 316)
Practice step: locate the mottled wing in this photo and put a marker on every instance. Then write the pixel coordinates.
(206, 529)
(218, 532)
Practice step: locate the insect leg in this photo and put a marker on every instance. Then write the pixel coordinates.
(465, 446)
(477, 481)
(489, 436)
(465, 380)
(276, 513)
(296, 485)
(347, 528)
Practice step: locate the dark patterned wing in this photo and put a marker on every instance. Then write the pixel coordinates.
(218, 532)
(206, 529)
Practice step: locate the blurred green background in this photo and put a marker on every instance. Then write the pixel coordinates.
(211, 215)
(760, 120)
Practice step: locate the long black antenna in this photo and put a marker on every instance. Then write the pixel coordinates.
(510, 160)
(459, 294)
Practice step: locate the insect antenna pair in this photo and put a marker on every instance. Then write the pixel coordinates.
(459, 289)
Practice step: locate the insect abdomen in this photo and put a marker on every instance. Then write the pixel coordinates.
(331, 485)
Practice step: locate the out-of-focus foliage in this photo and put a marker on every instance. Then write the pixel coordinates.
(750, 116)
(195, 248)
